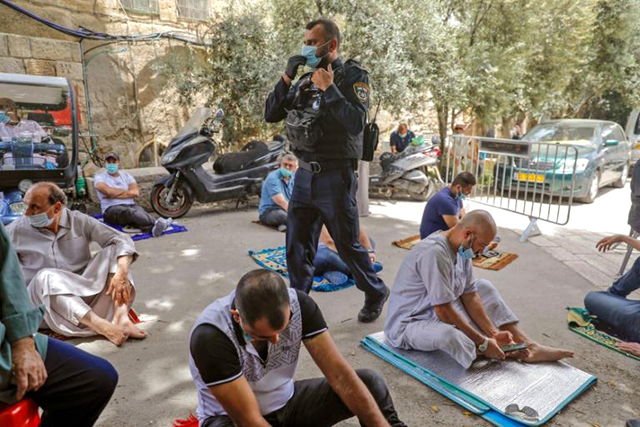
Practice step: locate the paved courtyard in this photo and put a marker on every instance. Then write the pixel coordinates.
(177, 276)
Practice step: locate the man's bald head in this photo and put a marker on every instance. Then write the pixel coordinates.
(481, 222)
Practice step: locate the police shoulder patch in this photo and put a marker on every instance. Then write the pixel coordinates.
(362, 91)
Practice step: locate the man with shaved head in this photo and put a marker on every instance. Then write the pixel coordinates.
(436, 304)
(83, 295)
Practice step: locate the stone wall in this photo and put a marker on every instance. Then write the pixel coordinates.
(130, 104)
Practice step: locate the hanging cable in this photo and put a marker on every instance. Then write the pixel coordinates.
(84, 33)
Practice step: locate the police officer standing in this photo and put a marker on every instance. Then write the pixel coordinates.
(325, 112)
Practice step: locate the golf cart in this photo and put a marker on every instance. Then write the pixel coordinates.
(38, 137)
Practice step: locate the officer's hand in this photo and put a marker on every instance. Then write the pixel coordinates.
(293, 64)
(322, 78)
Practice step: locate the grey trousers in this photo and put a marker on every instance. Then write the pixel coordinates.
(130, 215)
(433, 334)
(274, 217)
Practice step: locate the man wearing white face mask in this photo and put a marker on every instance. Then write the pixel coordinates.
(117, 190)
(436, 304)
(82, 295)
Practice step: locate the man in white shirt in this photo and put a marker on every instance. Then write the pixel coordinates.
(116, 191)
(83, 295)
(12, 126)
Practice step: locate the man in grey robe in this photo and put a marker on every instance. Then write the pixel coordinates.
(437, 304)
(82, 295)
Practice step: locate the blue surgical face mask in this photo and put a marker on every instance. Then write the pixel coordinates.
(461, 196)
(3, 117)
(40, 220)
(112, 168)
(286, 173)
(402, 135)
(467, 253)
(247, 337)
(310, 53)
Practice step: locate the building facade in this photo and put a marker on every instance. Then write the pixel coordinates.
(131, 109)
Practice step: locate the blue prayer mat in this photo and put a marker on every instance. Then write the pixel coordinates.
(173, 228)
(276, 260)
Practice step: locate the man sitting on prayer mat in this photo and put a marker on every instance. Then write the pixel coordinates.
(82, 295)
(70, 385)
(612, 306)
(445, 208)
(436, 304)
(117, 190)
(276, 193)
(244, 350)
(328, 263)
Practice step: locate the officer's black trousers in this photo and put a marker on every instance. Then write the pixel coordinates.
(328, 197)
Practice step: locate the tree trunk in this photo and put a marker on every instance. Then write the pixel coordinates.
(443, 112)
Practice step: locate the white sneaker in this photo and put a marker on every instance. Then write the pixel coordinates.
(160, 226)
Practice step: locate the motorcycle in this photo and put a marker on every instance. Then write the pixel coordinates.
(173, 195)
(413, 171)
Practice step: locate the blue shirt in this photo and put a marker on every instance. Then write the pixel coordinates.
(399, 142)
(442, 203)
(272, 186)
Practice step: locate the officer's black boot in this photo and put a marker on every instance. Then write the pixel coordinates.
(372, 310)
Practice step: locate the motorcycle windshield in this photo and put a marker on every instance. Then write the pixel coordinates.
(199, 116)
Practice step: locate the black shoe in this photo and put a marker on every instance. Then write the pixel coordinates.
(370, 312)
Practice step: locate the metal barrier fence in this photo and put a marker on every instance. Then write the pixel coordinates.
(538, 180)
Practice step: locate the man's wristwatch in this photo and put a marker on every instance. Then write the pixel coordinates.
(484, 345)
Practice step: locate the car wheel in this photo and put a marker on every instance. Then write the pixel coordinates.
(623, 178)
(594, 188)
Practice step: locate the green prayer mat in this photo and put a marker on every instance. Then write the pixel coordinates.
(582, 323)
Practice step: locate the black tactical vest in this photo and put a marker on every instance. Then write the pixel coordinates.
(312, 129)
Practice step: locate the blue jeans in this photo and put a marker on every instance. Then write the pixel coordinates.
(615, 309)
(328, 260)
(78, 386)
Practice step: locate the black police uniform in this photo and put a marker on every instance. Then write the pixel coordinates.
(326, 183)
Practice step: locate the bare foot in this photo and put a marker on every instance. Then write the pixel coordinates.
(135, 332)
(541, 353)
(132, 330)
(114, 333)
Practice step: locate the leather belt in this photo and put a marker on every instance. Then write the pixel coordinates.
(317, 166)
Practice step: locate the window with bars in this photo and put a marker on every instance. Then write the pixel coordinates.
(194, 9)
(141, 6)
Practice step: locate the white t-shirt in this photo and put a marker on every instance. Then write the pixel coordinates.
(122, 180)
(29, 127)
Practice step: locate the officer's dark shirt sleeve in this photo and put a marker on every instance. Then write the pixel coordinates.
(278, 101)
(347, 108)
(214, 355)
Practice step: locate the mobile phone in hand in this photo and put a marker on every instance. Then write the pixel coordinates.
(514, 347)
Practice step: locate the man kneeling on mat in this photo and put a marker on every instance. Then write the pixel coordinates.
(436, 304)
(612, 306)
(328, 263)
(244, 350)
